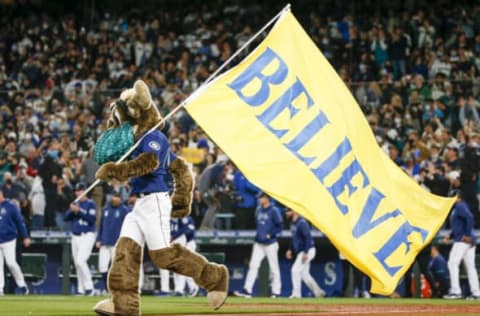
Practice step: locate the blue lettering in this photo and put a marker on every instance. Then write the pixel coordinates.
(255, 71)
(285, 101)
(305, 135)
(400, 237)
(347, 175)
(365, 222)
(322, 171)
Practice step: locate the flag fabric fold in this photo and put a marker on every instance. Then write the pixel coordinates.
(290, 124)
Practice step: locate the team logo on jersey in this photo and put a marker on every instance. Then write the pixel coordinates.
(92, 211)
(105, 214)
(3, 211)
(154, 145)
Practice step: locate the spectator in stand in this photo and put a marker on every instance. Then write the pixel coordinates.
(37, 201)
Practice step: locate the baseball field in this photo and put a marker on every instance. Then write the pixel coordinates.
(74, 305)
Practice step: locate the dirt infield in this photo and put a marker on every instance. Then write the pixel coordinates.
(462, 308)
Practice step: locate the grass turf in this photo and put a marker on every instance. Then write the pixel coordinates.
(56, 305)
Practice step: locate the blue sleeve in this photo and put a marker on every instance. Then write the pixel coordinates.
(100, 229)
(277, 221)
(307, 236)
(157, 143)
(69, 215)
(91, 215)
(17, 218)
(251, 187)
(468, 217)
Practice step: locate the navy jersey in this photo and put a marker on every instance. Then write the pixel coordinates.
(269, 224)
(190, 230)
(246, 190)
(11, 222)
(178, 227)
(301, 236)
(156, 143)
(111, 224)
(84, 220)
(461, 222)
(439, 268)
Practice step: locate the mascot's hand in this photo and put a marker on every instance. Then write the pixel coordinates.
(109, 171)
(180, 211)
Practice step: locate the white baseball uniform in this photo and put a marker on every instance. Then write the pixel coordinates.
(7, 254)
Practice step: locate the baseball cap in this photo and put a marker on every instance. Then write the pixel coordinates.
(80, 186)
(115, 193)
(262, 194)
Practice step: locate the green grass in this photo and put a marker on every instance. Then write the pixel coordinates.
(53, 305)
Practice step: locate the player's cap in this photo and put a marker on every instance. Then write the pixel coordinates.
(80, 186)
(262, 194)
(115, 193)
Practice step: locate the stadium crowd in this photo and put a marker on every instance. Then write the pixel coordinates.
(414, 73)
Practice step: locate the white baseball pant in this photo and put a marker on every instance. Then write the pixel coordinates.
(105, 254)
(259, 252)
(178, 279)
(7, 254)
(149, 221)
(192, 286)
(463, 251)
(81, 250)
(301, 272)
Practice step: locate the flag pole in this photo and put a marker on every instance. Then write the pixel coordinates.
(191, 96)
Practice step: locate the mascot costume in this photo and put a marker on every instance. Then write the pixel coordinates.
(147, 168)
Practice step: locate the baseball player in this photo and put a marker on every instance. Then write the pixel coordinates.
(111, 223)
(303, 248)
(461, 223)
(11, 224)
(82, 215)
(439, 271)
(269, 225)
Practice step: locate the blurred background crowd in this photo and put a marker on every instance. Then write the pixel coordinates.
(413, 68)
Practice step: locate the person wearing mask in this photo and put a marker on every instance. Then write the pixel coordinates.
(11, 225)
(463, 249)
(112, 219)
(303, 252)
(269, 225)
(83, 216)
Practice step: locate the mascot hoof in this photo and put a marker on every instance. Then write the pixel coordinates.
(216, 299)
(105, 308)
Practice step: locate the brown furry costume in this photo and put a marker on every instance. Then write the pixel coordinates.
(123, 277)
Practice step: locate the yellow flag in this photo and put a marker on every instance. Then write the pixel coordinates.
(292, 127)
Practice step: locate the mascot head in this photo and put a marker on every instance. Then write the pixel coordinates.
(135, 106)
(133, 114)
